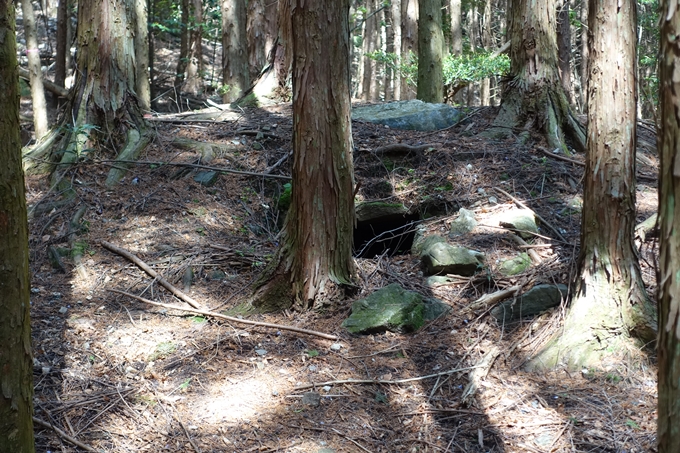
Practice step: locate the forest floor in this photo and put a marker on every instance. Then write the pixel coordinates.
(121, 375)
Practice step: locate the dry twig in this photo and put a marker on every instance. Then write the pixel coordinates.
(63, 435)
(142, 265)
(229, 318)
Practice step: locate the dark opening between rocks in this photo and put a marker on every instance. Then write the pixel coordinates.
(391, 233)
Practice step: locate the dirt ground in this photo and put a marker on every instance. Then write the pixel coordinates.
(120, 375)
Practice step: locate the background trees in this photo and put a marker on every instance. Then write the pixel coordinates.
(16, 365)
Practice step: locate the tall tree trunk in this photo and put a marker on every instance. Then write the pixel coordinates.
(16, 365)
(409, 41)
(234, 49)
(61, 47)
(668, 433)
(610, 306)
(430, 51)
(316, 242)
(35, 71)
(143, 82)
(487, 43)
(261, 32)
(583, 74)
(455, 14)
(371, 39)
(388, 78)
(193, 81)
(535, 97)
(105, 104)
(564, 46)
(184, 42)
(395, 14)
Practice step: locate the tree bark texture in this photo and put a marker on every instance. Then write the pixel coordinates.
(430, 52)
(40, 124)
(394, 91)
(610, 306)
(16, 365)
(235, 49)
(369, 90)
(535, 97)
(316, 244)
(143, 82)
(104, 91)
(193, 81)
(564, 46)
(455, 7)
(409, 41)
(62, 45)
(668, 434)
(184, 34)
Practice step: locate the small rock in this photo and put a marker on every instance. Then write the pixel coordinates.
(63, 310)
(35, 290)
(326, 388)
(336, 346)
(311, 399)
(46, 370)
(260, 351)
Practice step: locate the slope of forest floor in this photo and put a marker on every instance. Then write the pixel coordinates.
(121, 375)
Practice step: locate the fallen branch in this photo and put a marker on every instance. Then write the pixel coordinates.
(63, 435)
(522, 205)
(535, 257)
(203, 167)
(49, 86)
(403, 148)
(142, 265)
(489, 299)
(560, 157)
(480, 372)
(380, 381)
(228, 318)
(645, 227)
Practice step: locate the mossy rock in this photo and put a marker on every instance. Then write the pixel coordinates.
(370, 210)
(516, 265)
(444, 258)
(392, 308)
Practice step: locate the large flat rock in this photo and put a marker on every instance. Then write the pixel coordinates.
(409, 115)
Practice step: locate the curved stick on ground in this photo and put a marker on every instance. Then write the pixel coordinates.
(145, 267)
(229, 318)
(63, 435)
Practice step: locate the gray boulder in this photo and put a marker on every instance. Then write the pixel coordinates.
(464, 223)
(410, 115)
(393, 308)
(523, 220)
(535, 301)
(444, 258)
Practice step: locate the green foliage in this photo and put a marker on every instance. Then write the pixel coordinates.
(458, 70)
(284, 198)
(312, 353)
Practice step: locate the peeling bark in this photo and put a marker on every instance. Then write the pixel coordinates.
(16, 364)
(668, 434)
(610, 311)
(534, 98)
(315, 255)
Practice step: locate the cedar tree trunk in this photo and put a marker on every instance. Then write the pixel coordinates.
(40, 124)
(104, 107)
(534, 98)
(235, 49)
(16, 365)
(316, 243)
(668, 435)
(610, 307)
(430, 51)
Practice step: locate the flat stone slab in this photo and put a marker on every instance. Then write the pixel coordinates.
(444, 258)
(535, 301)
(409, 115)
(392, 308)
